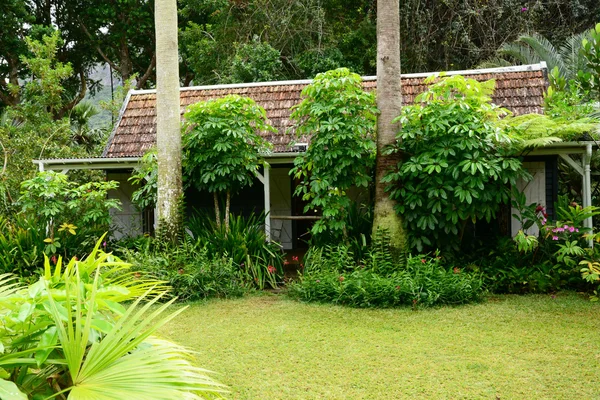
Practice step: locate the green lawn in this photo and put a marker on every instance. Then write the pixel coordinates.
(510, 347)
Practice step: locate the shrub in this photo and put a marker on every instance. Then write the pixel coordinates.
(189, 270)
(332, 275)
(245, 243)
(459, 165)
(69, 335)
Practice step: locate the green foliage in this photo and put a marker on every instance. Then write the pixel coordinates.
(34, 128)
(543, 263)
(57, 217)
(146, 177)
(590, 49)
(188, 269)
(55, 199)
(458, 163)
(68, 334)
(256, 61)
(245, 243)
(331, 277)
(340, 118)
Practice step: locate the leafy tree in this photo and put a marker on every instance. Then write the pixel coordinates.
(255, 62)
(591, 52)
(460, 166)
(29, 130)
(340, 118)
(223, 146)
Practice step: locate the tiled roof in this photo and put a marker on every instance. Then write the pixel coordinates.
(520, 89)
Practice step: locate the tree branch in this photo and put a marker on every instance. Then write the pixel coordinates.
(80, 96)
(142, 81)
(98, 49)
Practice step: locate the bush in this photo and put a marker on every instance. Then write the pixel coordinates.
(189, 270)
(245, 243)
(332, 275)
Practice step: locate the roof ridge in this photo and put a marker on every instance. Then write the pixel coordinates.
(517, 68)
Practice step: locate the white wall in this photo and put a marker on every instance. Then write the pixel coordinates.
(128, 221)
(535, 192)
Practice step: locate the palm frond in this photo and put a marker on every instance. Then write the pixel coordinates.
(540, 142)
(127, 363)
(520, 53)
(570, 52)
(545, 51)
(8, 285)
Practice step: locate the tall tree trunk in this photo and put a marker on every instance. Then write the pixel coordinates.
(168, 132)
(389, 102)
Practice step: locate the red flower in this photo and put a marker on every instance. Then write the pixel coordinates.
(271, 269)
(423, 260)
(53, 259)
(341, 278)
(456, 270)
(295, 258)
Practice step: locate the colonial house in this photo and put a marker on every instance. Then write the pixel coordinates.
(520, 89)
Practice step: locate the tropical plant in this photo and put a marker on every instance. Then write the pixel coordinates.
(459, 166)
(190, 271)
(339, 116)
(69, 335)
(53, 200)
(223, 146)
(331, 276)
(245, 243)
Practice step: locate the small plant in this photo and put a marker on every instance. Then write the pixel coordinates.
(245, 243)
(332, 275)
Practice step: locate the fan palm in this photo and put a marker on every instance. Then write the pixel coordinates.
(533, 48)
(68, 336)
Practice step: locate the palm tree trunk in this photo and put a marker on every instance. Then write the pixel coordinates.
(389, 102)
(168, 135)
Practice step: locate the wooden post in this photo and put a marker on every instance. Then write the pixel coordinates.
(267, 188)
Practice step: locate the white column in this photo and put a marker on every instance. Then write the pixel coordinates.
(587, 189)
(267, 188)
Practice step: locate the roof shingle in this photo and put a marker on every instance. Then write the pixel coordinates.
(520, 89)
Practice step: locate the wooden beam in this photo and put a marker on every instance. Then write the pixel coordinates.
(297, 217)
(572, 163)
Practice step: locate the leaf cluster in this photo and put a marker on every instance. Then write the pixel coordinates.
(223, 143)
(457, 165)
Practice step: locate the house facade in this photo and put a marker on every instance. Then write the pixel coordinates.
(520, 89)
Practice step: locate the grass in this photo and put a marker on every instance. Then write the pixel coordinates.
(510, 347)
